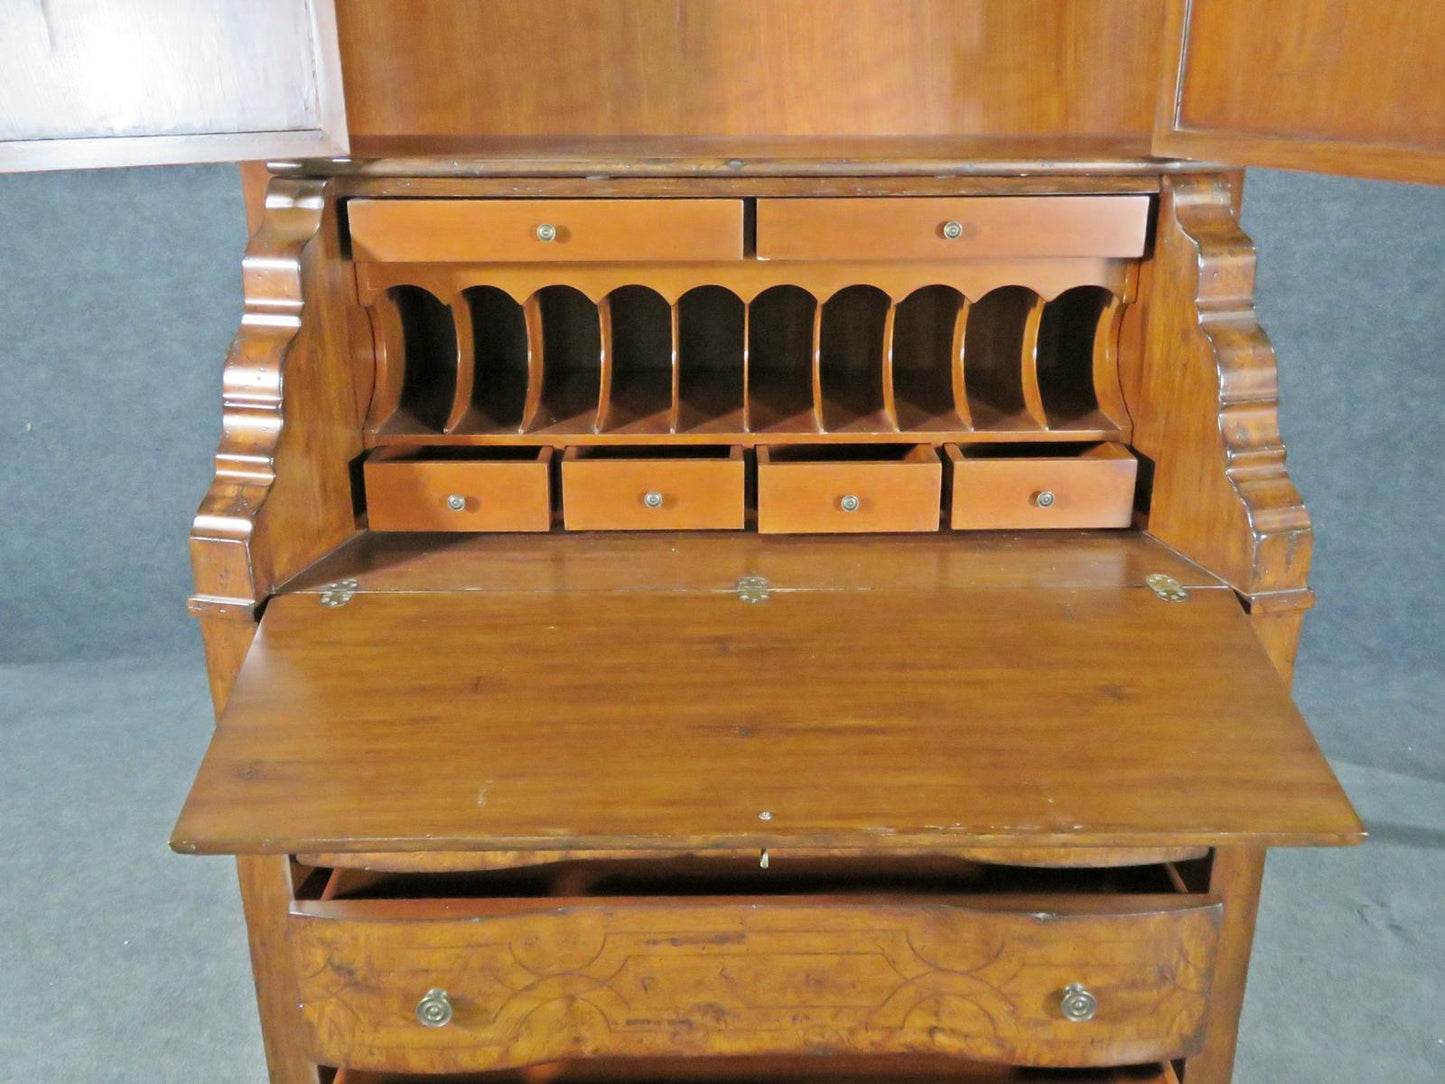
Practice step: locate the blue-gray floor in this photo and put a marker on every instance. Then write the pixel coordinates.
(124, 963)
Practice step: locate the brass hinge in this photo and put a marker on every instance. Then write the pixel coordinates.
(338, 593)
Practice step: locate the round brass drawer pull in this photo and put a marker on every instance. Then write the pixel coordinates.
(1045, 498)
(652, 499)
(456, 502)
(1078, 1004)
(434, 1010)
(849, 503)
(952, 230)
(546, 232)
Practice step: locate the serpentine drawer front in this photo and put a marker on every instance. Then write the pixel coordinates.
(1000, 227)
(472, 985)
(549, 231)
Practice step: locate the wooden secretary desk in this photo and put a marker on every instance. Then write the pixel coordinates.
(750, 539)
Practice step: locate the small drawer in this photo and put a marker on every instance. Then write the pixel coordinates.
(659, 489)
(502, 489)
(849, 488)
(906, 228)
(998, 488)
(475, 985)
(549, 231)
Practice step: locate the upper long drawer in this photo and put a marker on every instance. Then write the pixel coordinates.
(952, 228)
(563, 230)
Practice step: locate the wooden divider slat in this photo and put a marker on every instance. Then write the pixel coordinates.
(956, 359)
(604, 382)
(890, 398)
(1029, 361)
(747, 366)
(390, 348)
(532, 314)
(674, 416)
(817, 361)
(1107, 390)
(461, 311)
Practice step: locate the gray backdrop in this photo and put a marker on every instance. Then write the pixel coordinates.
(119, 291)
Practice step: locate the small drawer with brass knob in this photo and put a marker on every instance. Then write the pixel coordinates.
(1004, 487)
(544, 231)
(952, 228)
(459, 489)
(676, 487)
(848, 488)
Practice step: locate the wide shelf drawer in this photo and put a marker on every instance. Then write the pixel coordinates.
(678, 488)
(550, 231)
(504, 489)
(848, 489)
(932, 228)
(1041, 487)
(467, 985)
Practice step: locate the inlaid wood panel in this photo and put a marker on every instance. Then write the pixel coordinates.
(533, 981)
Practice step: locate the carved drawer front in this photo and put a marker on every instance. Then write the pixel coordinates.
(550, 231)
(994, 489)
(1002, 227)
(673, 488)
(508, 490)
(472, 985)
(849, 489)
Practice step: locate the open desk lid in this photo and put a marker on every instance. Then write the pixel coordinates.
(586, 694)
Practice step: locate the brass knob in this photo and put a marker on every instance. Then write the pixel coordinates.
(434, 1010)
(652, 499)
(849, 503)
(1045, 498)
(546, 232)
(952, 230)
(456, 502)
(1078, 1004)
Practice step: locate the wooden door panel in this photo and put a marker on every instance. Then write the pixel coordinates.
(1335, 86)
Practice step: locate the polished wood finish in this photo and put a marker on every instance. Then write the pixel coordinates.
(466, 231)
(1093, 488)
(1326, 85)
(1118, 680)
(835, 1070)
(715, 562)
(863, 492)
(406, 492)
(89, 83)
(539, 981)
(1016, 227)
(612, 493)
(261, 522)
(740, 68)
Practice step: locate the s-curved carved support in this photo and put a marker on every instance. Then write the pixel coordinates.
(1203, 392)
(281, 496)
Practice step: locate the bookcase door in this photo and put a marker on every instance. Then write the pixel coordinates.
(87, 83)
(1333, 86)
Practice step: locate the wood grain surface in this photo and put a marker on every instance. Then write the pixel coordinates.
(921, 717)
(540, 981)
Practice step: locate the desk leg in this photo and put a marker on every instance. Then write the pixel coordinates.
(266, 894)
(1235, 879)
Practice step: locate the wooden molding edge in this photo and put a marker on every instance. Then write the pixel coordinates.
(289, 354)
(1221, 493)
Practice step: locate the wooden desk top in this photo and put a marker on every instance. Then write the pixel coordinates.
(961, 713)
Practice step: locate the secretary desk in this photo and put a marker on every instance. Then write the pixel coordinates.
(750, 538)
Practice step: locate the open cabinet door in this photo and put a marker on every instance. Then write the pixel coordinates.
(86, 83)
(1334, 86)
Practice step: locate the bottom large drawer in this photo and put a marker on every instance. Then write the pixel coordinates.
(470, 985)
